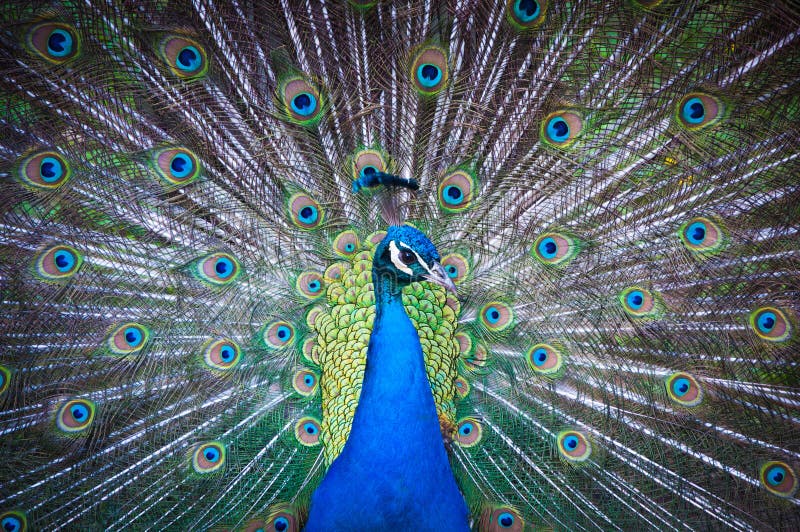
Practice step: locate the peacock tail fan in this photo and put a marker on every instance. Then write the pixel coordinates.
(192, 193)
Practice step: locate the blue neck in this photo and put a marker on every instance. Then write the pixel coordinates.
(393, 471)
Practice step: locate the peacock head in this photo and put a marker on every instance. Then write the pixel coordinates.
(406, 255)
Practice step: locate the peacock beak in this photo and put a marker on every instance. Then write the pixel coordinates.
(439, 276)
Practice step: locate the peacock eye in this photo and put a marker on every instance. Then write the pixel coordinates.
(407, 257)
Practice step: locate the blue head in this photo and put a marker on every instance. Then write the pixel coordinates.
(406, 255)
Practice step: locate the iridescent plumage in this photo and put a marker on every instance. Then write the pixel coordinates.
(193, 193)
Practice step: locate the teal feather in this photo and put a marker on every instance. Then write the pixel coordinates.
(193, 194)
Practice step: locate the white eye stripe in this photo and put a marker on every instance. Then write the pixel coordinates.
(395, 251)
(400, 265)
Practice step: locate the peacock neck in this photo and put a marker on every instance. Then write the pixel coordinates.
(395, 363)
(388, 294)
(393, 472)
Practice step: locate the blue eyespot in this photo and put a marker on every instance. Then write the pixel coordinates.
(281, 524)
(189, 59)
(224, 267)
(283, 332)
(451, 271)
(227, 353)
(492, 315)
(505, 520)
(571, 442)
(635, 299)
(693, 111)
(452, 195)
(429, 75)
(776, 475)
(133, 336)
(310, 428)
(211, 454)
(51, 169)
(696, 233)
(64, 260)
(314, 286)
(11, 524)
(79, 412)
(308, 214)
(766, 321)
(540, 356)
(309, 380)
(527, 10)
(59, 43)
(466, 429)
(680, 386)
(181, 166)
(304, 104)
(558, 129)
(349, 247)
(548, 248)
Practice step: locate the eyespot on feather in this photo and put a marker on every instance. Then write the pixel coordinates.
(496, 316)
(701, 235)
(456, 266)
(208, 457)
(176, 166)
(305, 382)
(279, 334)
(429, 70)
(456, 191)
(469, 432)
(526, 14)
(346, 244)
(185, 57)
(778, 478)
(54, 41)
(222, 354)
(368, 162)
(44, 170)
(573, 446)
(546, 360)
(501, 518)
(128, 338)
(217, 269)
(13, 521)
(302, 101)
(5, 379)
(683, 389)
(75, 416)
(639, 302)
(554, 249)
(307, 430)
(771, 324)
(561, 128)
(305, 212)
(462, 387)
(310, 284)
(698, 110)
(282, 518)
(58, 263)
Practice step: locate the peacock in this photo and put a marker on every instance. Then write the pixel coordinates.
(390, 265)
